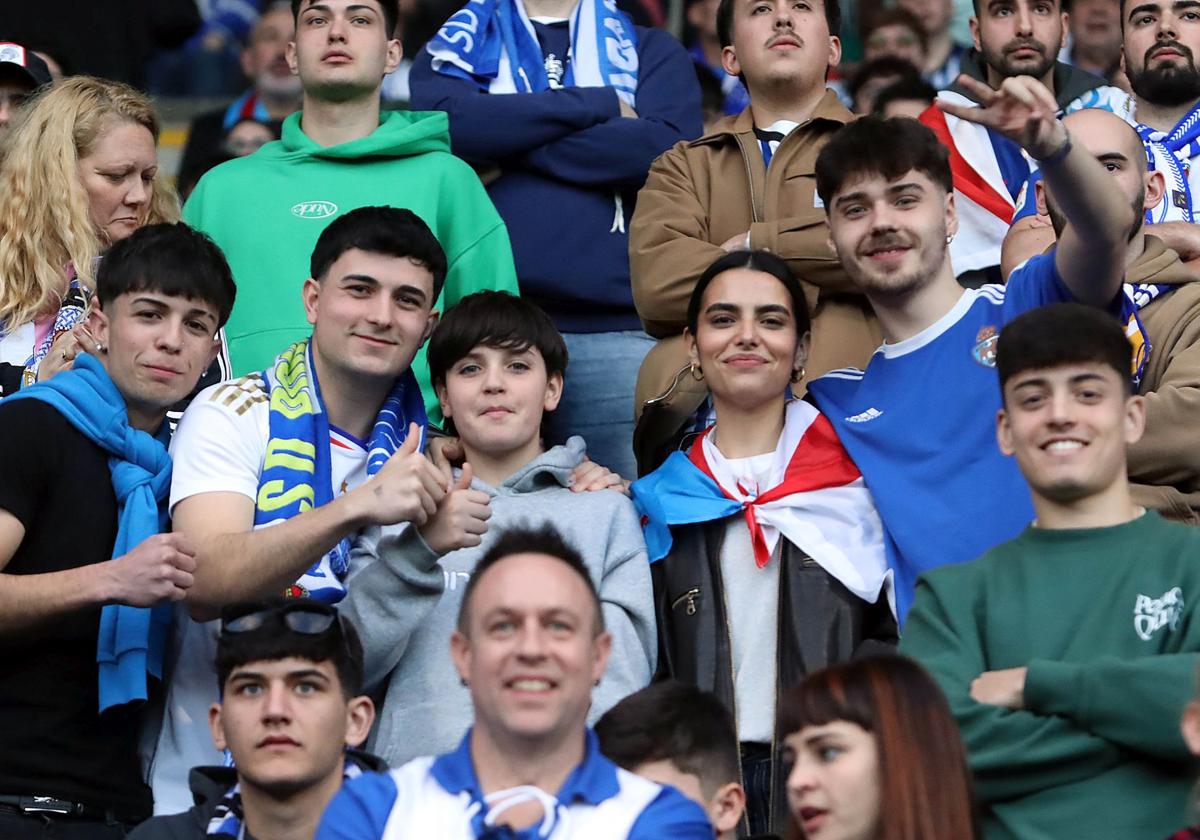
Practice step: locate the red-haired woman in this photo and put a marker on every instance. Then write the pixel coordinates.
(875, 755)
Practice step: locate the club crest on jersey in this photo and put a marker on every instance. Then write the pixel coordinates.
(1152, 614)
(985, 346)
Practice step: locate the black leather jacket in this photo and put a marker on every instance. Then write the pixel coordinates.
(820, 623)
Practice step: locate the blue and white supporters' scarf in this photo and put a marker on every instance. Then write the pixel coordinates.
(1183, 139)
(226, 821)
(296, 474)
(1171, 153)
(493, 44)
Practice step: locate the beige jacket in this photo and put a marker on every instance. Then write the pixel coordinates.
(1164, 465)
(701, 193)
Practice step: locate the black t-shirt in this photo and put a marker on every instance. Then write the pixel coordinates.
(53, 740)
(555, 41)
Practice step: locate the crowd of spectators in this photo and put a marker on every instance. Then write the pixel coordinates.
(588, 419)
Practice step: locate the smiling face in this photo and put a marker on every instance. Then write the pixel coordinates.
(342, 49)
(158, 347)
(891, 234)
(287, 724)
(1019, 37)
(1160, 44)
(1069, 428)
(370, 314)
(833, 788)
(781, 43)
(745, 341)
(117, 175)
(496, 398)
(531, 653)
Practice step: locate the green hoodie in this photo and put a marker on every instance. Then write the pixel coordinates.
(1105, 619)
(266, 211)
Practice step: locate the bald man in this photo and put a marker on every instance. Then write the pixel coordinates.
(1164, 466)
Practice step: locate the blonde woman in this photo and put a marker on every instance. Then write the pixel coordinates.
(79, 173)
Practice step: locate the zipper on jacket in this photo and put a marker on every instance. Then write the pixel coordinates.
(754, 214)
(690, 596)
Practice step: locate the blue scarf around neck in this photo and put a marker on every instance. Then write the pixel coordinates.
(132, 639)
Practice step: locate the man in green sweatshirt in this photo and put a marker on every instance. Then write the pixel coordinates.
(1069, 653)
(265, 211)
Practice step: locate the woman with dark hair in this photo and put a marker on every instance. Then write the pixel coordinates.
(874, 755)
(767, 552)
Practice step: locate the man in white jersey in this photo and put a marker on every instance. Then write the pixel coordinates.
(291, 448)
(530, 644)
(918, 420)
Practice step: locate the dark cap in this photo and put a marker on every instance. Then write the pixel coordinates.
(19, 62)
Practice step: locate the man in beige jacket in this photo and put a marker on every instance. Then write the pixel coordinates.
(748, 183)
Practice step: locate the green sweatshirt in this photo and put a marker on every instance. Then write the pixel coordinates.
(1105, 621)
(266, 211)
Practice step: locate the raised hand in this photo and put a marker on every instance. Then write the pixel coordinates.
(408, 488)
(158, 569)
(1022, 109)
(461, 519)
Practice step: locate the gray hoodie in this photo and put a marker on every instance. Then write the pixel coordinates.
(403, 600)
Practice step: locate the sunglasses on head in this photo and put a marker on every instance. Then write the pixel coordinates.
(310, 618)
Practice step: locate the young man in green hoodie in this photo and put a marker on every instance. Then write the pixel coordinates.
(1069, 653)
(265, 211)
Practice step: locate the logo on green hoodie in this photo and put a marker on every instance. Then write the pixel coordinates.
(314, 209)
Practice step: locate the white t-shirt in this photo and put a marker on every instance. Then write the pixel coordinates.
(752, 597)
(219, 447)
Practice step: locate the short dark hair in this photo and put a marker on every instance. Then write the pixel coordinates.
(888, 65)
(873, 145)
(391, 231)
(895, 16)
(493, 319)
(763, 261)
(1061, 334)
(274, 640)
(833, 19)
(910, 87)
(529, 539)
(675, 722)
(390, 9)
(171, 259)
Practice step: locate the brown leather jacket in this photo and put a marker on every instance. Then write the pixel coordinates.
(701, 193)
(1164, 466)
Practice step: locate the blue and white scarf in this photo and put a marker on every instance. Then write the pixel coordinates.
(227, 820)
(1181, 144)
(132, 640)
(493, 44)
(297, 474)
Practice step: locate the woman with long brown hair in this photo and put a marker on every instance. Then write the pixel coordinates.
(875, 755)
(79, 172)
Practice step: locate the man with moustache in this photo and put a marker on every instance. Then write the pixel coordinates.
(1011, 38)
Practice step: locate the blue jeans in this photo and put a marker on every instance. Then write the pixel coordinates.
(597, 400)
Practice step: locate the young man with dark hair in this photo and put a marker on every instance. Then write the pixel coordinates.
(746, 184)
(675, 734)
(291, 715)
(531, 645)
(1069, 653)
(271, 470)
(1013, 39)
(497, 363)
(916, 421)
(341, 152)
(873, 76)
(1164, 469)
(86, 573)
(565, 104)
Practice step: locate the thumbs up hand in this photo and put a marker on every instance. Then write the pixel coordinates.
(408, 488)
(461, 518)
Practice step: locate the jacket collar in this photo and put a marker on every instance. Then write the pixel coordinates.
(829, 109)
(593, 780)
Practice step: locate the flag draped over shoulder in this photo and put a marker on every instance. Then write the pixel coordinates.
(815, 497)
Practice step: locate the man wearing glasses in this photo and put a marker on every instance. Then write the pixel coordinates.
(290, 716)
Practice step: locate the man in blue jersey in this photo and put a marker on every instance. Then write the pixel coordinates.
(530, 645)
(919, 420)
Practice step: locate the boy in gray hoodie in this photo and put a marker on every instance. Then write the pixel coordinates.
(497, 364)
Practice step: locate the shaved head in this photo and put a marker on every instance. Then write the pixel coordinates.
(1101, 132)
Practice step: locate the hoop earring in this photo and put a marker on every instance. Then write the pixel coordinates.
(797, 374)
(696, 373)
(949, 238)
